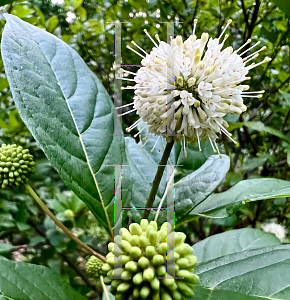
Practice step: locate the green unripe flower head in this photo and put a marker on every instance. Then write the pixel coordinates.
(151, 268)
(95, 267)
(16, 166)
(69, 214)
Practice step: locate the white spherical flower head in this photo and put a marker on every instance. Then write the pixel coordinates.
(277, 229)
(185, 88)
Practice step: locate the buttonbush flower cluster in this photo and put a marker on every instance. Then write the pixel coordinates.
(144, 256)
(185, 88)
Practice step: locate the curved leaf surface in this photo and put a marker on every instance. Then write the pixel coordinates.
(23, 281)
(262, 272)
(224, 204)
(233, 241)
(68, 111)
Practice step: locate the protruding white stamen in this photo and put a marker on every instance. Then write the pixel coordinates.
(255, 56)
(267, 59)
(135, 135)
(258, 43)
(263, 48)
(194, 26)
(127, 112)
(198, 141)
(157, 38)
(129, 79)
(135, 44)
(135, 51)
(246, 43)
(128, 129)
(129, 104)
(146, 140)
(155, 144)
(214, 150)
(255, 92)
(145, 30)
(228, 23)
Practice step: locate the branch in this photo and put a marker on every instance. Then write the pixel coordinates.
(157, 179)
(60, 225)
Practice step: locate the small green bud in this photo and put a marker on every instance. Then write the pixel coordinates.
(179, 238)
(68, 213)
(161, 270)
(165, 296)
(152, 235)
(115, 283)
(144, 241)
(148, 274)
(135, 253)
(136, 292)
(126, 246)
(135, 241)
(126, 275)
(157, 260)
(182, 262)
(135, 229)
(131, 266)
(123, 287)
(154, 224)
(150, 251)
(138, 278)
(176, 295)
(184, 289)
(94, 267)
(162, 236)
(124, 259)
(144, 292)
(192, 261)
(162, 248)
(168, 282)
(111, 261)
(184, 249)
(155, 283)
(143, 262)
(126, 235)
(144, 224)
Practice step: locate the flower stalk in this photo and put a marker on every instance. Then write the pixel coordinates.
(42, 205)
(157, 179)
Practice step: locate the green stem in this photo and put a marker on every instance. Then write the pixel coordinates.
(42, 205)
(157, 179)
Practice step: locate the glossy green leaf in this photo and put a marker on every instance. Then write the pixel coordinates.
(283, 5)
(195, 187)
(233, 241)
(23, 281)
(259, 126)
(203, 293)
(286, 96)
(262, 272)
(68, 111)
(224, 204)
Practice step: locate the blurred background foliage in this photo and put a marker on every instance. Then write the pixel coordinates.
(262, 133)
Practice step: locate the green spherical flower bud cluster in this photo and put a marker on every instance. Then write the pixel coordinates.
(94, 267)
(16, 165)
(136, 263)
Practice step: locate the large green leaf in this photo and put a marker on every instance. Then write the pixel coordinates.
(144, 163)
(22, 281)
(68, 111)
(195, 187)
(233, 241)
(203, 293)
(283, 5)
(224, 204)
(262, 272)
(259, 126)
